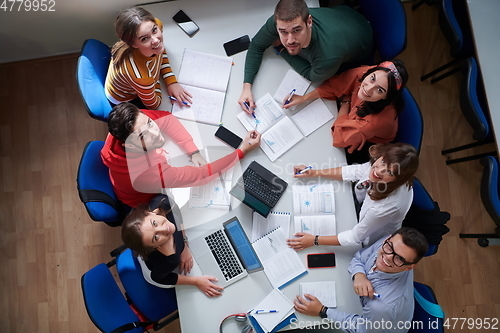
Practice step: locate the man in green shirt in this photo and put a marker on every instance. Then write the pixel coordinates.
(315, 42)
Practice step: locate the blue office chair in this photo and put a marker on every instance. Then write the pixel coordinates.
(388, 21)
(428, 315)
(474, 108)
(490, 196)
(106, 306)
(91, 71)
(426, 216)
(410, 122)
(153, 302)
(454, 22)
(95, 188)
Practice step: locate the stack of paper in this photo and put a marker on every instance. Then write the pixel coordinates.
(275, 301)
(324, 291)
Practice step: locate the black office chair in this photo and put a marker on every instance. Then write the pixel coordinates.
(490, 196)
(474, 108)
(454, 22)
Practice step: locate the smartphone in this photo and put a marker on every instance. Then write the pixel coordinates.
(185, 23)
(237, 45)
(320, 260)
(228, 137)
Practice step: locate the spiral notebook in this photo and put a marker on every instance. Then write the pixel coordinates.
(282, 265)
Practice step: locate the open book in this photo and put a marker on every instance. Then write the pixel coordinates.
(282, 265)
(205, 76)
(314, 209)
(279, 132)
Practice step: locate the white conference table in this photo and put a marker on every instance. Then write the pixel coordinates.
(219, 22)
(485, 26)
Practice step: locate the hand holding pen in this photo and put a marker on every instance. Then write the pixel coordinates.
(172, 98)
(302, 171)
(289, 98)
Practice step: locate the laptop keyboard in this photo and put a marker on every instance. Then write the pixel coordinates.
(265, 191)
(222, 253)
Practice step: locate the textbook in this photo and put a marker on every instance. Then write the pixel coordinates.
(279, 133)
(314, 209)
(282, 264)
(205, 76)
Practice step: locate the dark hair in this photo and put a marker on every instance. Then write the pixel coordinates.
(131, 230)
(415, 239)
(289, 10)
(127, 24)
(121, 120)
(403, 160)
(393, 94)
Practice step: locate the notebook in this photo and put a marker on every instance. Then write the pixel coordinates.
(225, 253)
(259, 188)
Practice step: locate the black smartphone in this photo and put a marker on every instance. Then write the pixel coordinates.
(228, 137)
(185, 23)
(237, 45)
(320, 260)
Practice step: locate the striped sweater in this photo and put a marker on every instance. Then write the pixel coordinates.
(139, 76)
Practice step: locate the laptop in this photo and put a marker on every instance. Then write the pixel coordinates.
(259, 188)
(225, 253)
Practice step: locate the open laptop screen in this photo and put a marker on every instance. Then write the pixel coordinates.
(242, 245)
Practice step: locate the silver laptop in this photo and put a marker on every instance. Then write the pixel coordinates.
(225, 253)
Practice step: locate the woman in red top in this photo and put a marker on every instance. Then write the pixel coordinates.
(370, 100)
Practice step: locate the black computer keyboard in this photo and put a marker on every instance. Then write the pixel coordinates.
(258, 186)
(221, 250)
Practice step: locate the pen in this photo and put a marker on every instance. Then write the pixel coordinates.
(304, 170)
(376, 295)
(265, 311)
(175, 99)
(248, 108)
(290, 96)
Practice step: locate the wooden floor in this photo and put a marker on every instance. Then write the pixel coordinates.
(47, 240)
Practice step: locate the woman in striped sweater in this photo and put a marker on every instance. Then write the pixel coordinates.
(138, 61)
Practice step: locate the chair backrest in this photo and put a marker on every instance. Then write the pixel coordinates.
(423, 321)
(490, 187)
(153, 302)
(388, 21)
(95, 188)
(106, 306)
(410, 122)
(91, 71)
(454, 22)
(472, 101)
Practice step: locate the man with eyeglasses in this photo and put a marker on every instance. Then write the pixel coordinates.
(383, 278)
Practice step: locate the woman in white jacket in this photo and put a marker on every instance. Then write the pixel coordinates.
(384, 188)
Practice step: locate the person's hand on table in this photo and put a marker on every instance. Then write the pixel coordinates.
(308, 305)
(182, 96)
(294, 100)
(301, 241)
(307, 173)
(186, 259)
(250, 142)
(198, 160)
(362, 286)
(206, 285)
(246, 99)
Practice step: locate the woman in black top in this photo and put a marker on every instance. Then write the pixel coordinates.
(152, 233)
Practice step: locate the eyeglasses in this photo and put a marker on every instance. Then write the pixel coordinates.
(396, 258)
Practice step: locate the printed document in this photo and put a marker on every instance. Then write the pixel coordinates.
(292, 81)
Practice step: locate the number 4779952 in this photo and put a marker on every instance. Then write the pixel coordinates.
(471, 323)
(28, 5)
